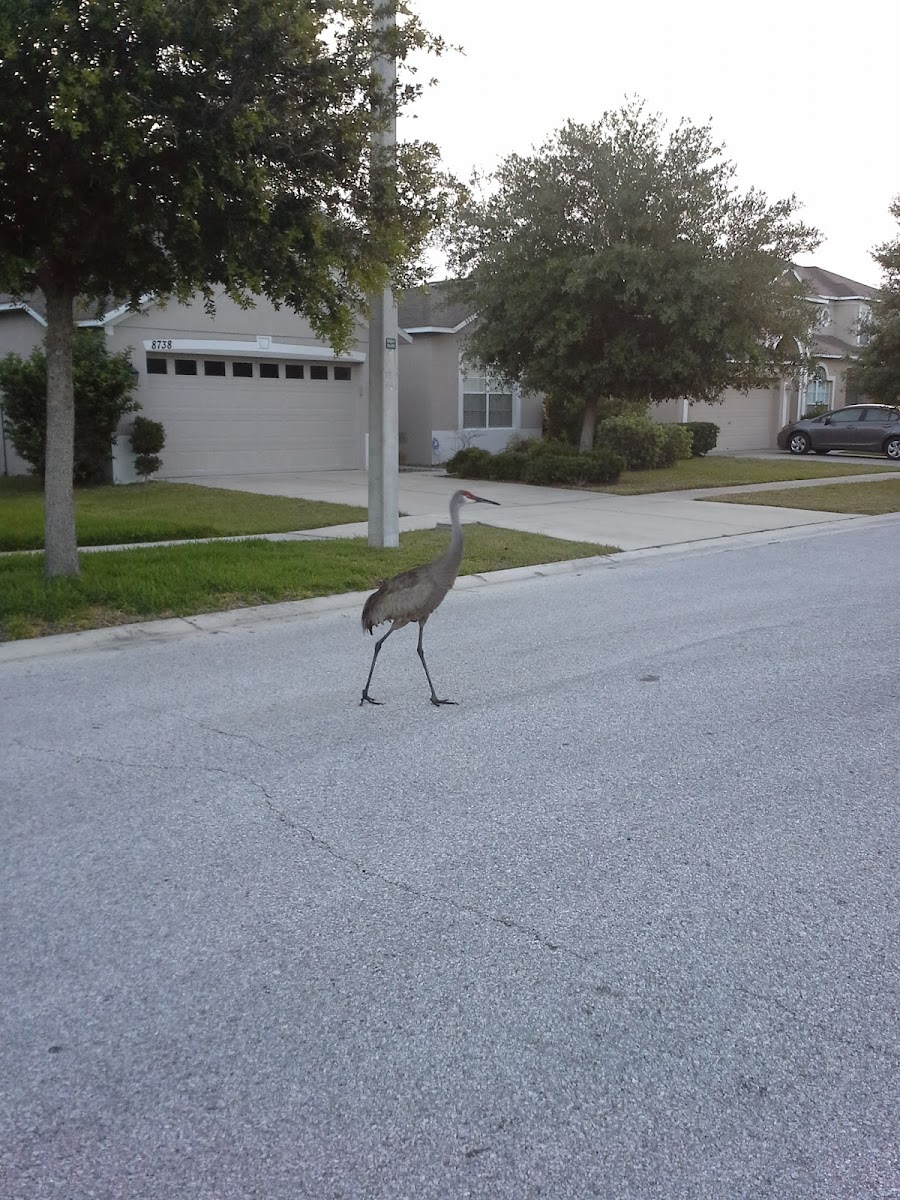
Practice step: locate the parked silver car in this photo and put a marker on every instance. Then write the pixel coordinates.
(865, 428)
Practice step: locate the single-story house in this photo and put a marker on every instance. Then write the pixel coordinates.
(444, 402)
(240, 392)
(751, 420)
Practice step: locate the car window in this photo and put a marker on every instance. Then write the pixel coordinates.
(877, 414)
(846, 416)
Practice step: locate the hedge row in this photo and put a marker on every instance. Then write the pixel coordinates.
(623, 443)
(643, 444)
(538, 463)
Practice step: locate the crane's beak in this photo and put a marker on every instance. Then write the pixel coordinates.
(483, 500)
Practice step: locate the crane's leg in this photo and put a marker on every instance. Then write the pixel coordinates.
(421, 654)
(366, 698)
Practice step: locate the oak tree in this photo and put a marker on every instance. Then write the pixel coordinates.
(621, 260)
(876, 372)
(175, 147)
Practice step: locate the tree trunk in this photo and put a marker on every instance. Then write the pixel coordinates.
(61, 547)
(588, 426)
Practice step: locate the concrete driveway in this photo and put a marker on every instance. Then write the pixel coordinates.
(629, 522)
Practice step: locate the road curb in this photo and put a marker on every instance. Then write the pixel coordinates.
(121, 637)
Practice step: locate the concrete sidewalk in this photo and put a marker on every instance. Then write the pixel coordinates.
(629, 522)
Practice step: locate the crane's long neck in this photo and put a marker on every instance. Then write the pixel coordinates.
(453, 556)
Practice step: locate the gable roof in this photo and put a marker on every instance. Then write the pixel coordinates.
(36, 306)
(432, 308)
(826, 345)
(827, 285)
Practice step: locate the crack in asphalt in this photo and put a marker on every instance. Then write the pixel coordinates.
(835, 1035)
(323, 844)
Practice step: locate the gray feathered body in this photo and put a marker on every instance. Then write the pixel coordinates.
(414, 595)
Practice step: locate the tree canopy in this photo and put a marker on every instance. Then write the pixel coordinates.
(170, 147)
(621, 260)
(876, 372)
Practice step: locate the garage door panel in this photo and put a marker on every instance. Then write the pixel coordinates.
(217, 427)
(746, 421)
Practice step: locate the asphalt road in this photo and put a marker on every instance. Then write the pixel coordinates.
(623, 924)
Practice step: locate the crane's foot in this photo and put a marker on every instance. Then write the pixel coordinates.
(437, 703)
(367, 699)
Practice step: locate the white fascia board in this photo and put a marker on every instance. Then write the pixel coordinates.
(25, 308)
(821, 299)
(234, 348)
(429, 329)
(440, 328)
(463, 324)
(115, 315)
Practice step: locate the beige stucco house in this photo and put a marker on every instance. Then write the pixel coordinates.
(241, 392)
(446, 403)
(254, 391)
(751, 420)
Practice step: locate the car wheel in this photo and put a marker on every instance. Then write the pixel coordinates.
(892, 448)
(799, 443)
(823, 452)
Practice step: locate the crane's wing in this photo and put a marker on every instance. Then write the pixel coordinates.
(407, 597)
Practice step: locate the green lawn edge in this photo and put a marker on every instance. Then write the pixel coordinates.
(872, 498)
(724, 471)
(155, 512)
(122, 586)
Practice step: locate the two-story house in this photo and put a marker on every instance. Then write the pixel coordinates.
(751, 420)
(445, 404)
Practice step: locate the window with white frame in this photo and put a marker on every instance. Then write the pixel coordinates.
(818, 389)
(487, 403)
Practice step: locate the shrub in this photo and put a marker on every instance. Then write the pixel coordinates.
(147, 439)
(103, 395)
(544, 469)
(470, 462)
(676, 443)
(603, 466)
(639, 441)
(539, 463)
(563, 418)
(704, 435)
(507, 466)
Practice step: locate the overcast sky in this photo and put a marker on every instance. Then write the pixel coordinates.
(803, 95)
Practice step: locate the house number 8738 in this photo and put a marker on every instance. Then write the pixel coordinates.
(161, 344)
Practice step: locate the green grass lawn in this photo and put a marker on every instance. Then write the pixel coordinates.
(881, 496)
(721, 471)
(119, 586)
(151, 512)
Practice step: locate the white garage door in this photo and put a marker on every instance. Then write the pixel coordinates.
(746, 422)
(244, 417)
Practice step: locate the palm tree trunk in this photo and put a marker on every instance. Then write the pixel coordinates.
(61, 547)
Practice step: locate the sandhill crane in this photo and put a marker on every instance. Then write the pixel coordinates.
(414, 595)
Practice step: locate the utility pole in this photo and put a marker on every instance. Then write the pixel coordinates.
(384, 439)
